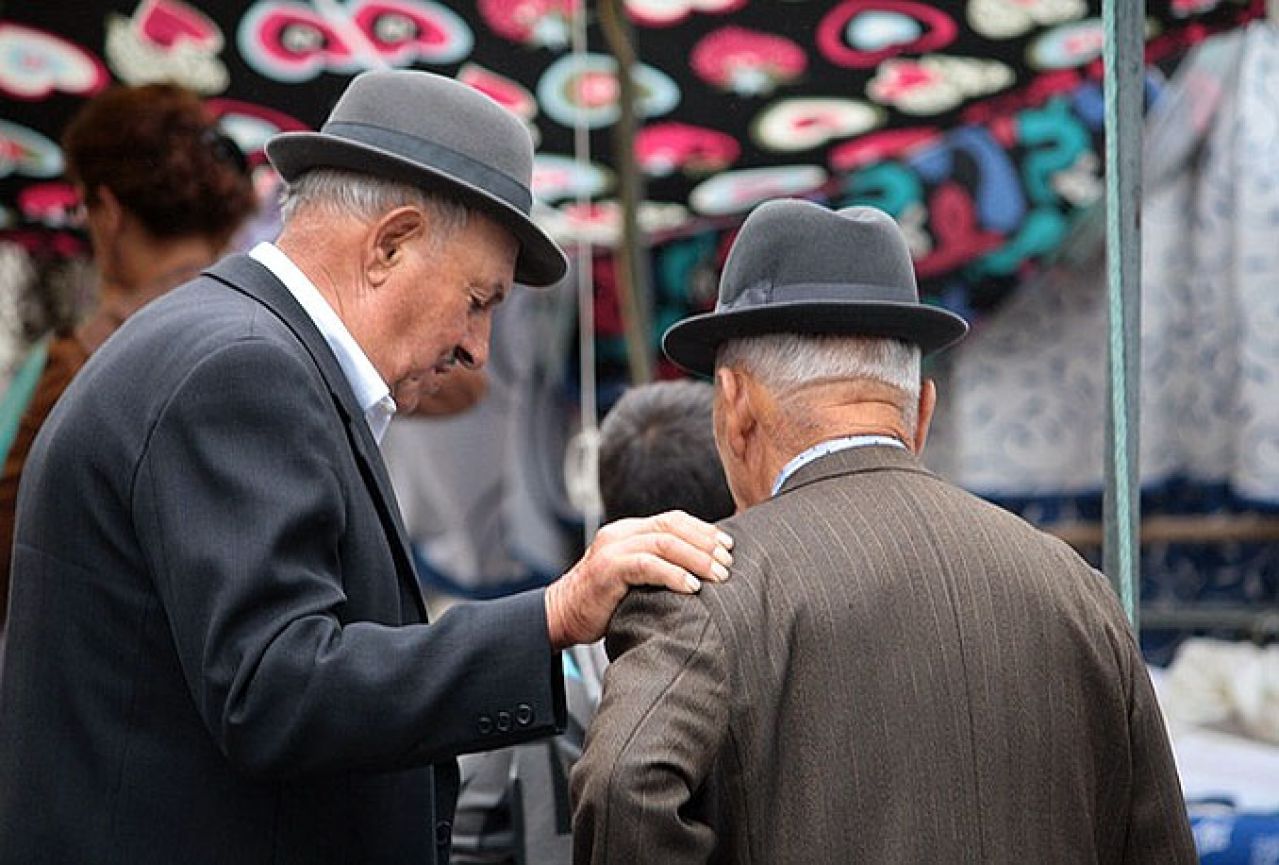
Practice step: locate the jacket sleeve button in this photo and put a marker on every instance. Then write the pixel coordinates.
(443, 833)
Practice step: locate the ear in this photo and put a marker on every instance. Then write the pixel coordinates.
(927, 402)
(737, 418)
(110, 210)
(387, 239)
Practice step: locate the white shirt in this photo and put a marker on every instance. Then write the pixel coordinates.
(371, 392)
(830, 446)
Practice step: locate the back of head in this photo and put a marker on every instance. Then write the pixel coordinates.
(657, 453)
(817, 333)
(160, 153)
(789, 364)
(796, 267)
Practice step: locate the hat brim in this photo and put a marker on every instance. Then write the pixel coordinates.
(540, 261)
(693, 342)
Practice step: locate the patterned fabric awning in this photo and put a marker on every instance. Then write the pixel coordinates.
(975, 122)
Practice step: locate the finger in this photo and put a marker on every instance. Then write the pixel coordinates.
(653, 570)
(685, 525)
(712, 565)
(691, 529)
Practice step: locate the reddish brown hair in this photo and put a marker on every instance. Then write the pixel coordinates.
(160, 153)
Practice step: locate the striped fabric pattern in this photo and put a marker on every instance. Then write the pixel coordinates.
(897, 672)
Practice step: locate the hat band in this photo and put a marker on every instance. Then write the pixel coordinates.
(765, 293)
(437, 157)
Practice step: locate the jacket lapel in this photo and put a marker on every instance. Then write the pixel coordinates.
(251, 279)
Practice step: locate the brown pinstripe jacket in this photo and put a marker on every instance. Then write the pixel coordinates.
(897, 672)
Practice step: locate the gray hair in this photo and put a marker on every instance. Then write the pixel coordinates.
(785, 362)
(348, 193)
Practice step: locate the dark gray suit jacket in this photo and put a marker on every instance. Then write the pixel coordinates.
(896, 672)
(217, 648)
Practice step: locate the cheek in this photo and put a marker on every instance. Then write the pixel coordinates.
(430, 327)
(447, 315)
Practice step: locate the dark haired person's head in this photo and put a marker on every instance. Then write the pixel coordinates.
(155, 176)
(657, 453)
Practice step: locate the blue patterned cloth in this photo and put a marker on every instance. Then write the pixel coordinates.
(1236, 838)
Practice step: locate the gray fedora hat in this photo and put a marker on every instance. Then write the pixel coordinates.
(797, 267)
(437, 134)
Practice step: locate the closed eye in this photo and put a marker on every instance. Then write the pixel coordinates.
(480, 303)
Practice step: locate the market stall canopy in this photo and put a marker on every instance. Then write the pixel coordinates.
(975, 123)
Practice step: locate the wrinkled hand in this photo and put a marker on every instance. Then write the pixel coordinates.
(672, 549)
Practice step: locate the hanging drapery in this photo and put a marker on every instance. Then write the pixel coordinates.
(976, 122)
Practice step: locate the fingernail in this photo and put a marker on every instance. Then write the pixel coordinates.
(723, 556)
(720, 572)
(725, 541)
(694, 584)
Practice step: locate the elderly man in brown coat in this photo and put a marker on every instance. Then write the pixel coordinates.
(898, 672)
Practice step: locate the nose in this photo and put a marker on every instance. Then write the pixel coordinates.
(473, 351)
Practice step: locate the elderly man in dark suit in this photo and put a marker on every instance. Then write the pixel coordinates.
(218, 651)
(898, 672)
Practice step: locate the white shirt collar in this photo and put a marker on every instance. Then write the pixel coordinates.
(828, 447)
(371, 392)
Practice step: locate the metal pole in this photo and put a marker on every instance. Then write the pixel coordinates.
(632, 274)
(1124, 58)
(584, 271)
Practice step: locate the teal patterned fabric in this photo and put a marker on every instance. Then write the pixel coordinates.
(16, 398)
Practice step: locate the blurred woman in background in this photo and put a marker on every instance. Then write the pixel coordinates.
(163, 193)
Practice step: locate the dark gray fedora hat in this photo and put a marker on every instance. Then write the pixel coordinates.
(797, 267)
(437, 134)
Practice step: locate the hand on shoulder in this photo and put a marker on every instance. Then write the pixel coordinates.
(673, 550)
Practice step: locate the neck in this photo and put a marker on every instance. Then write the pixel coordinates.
(328, 252)
(321, 251)
(829, 410)
(137, 269)
(823, 412)
(850, 429)
(143, 267)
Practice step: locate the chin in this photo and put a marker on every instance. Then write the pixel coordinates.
(407, 396)
(406, 405)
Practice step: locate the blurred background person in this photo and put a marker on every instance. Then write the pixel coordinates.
(657, 453)
(163, 192)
